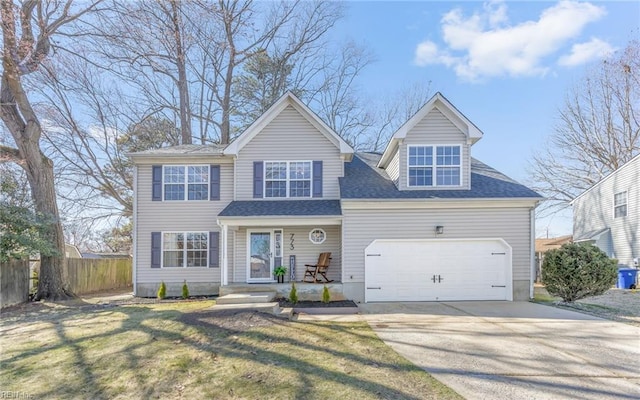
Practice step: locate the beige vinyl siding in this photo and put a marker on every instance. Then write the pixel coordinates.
(435, 129)
(361, 227)
(393, 169)
(594, 211)
(184, 216)
(289, 137)
(305, 251)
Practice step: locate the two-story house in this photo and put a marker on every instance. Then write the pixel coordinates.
(607, 214)
(423, 221)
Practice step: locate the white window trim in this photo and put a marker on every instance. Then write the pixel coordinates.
(272, 251)
(434, 166)
(288, 180)
(626, 203)
(184, 251)
(186, 180)
(324, 238)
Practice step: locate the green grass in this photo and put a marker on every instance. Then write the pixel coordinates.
(180, 349)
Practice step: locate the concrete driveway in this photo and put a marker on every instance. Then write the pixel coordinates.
(513, 350)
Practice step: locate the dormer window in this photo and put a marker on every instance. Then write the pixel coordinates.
(430, 166)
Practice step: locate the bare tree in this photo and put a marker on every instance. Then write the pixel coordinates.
(23, 52)
(338, 100)
(598, 130)
(241, 30)
(147, 43)
(91, 126)
(391, 111)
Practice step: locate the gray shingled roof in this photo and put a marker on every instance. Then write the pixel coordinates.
(184, 149)
(289, 208)
(363, 180)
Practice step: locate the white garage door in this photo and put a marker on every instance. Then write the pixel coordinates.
(438, 270)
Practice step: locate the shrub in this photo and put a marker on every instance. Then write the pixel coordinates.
(326, 296)
(293, 294)
(576, 271)
(162, 291)
(185, 290)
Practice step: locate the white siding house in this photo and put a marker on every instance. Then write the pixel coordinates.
(608, 214)
(289, 188)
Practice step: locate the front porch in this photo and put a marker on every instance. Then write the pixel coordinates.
(306, 291)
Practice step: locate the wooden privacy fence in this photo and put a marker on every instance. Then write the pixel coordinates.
(14, 282)
(86, 275)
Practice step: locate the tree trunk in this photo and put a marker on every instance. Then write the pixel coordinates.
(51, 281)
(183, 84)
(39, 169)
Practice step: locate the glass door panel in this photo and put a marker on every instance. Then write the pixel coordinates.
(260, 265)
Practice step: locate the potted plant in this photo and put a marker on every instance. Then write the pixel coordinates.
(279, 272)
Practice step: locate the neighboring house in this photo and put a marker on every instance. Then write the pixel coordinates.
(608, 215)
(71, 251)
(544, 245)
(423, 221)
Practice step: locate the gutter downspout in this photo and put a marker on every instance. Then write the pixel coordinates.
(134, 237)
(532, 252)
(224, 281)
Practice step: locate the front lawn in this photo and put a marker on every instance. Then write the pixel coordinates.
(183, 349)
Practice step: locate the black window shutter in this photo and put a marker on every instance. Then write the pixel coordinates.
(156, 187)
(156, 249)
(257, 179)
(317, 179)
(214, 182)
(214, 249)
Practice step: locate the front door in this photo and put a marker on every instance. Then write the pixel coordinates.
(264, 248)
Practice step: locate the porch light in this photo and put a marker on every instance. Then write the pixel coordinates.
(439, 230)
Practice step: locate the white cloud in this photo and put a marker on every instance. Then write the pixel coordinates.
(582, 53)
(485, 45)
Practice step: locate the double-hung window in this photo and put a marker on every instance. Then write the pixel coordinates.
(185, 249)
(620, 205)
(190, 180)
(430, 166)
(287, 179)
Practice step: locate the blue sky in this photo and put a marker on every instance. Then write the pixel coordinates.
(506, 65)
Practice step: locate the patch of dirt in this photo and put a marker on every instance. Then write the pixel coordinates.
(316, 304)
(232, 320)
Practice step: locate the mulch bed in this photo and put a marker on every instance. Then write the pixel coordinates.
(316, 304)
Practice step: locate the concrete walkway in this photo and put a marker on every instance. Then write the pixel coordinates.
(513, 350)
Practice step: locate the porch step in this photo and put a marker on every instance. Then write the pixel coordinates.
(270, 308)
(246, 298)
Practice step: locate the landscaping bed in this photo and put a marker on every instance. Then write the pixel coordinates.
(315, 304)
(622, 305)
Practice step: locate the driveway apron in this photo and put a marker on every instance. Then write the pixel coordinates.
(513, 350)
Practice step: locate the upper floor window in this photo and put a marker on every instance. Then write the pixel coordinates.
(287, 179)
(620, 205)
(192, 180)
(434, 166)
(185, 249)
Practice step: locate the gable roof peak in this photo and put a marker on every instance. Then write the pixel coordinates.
(441, 103)
(288, 99)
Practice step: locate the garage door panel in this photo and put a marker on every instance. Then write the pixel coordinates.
(437, 270)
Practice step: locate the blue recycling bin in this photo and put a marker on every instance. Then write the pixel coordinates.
(627, 277)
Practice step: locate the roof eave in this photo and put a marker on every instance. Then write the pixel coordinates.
(444, 199)
(472, 132)
(136, 157)
(289, 99)
(606, 178)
